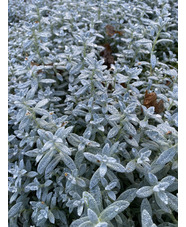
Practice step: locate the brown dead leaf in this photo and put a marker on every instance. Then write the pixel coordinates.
(111, 31)
(159, 107)
(151, 100)
(107, 54)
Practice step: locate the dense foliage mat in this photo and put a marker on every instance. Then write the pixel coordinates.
(93, 114)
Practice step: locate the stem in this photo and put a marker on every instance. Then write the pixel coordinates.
(153, 46)
(173, 218)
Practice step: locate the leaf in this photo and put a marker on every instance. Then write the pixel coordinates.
(161, 204)
(112, 195)
(52, 164)
(144, 41)
(168, 179)
(27, 44)
(163, 197)
(102, 224)
(112, 210)
(80, 182)
(166, 156)
(14, 209)
(44, 34)
(121, 79)
(91, 202)
(144, 192)
(24, 123)
(96, 193)
(92, 216)
(107, 54)
(79, 221)
(146, 219)
(32, 174)
(45, 161)
(95, 179)
(68, 161)
(164, 40)
(128, 195)
(130, 140)
(74, 139)
(152, 179)
(111, 31)
(63, 148)
(47, 145)
(51, 217)
(82, 90)
(112, 109)
(102, 169)
(129, 128)
(86, 224)
(151, 100)
(42, 103)
(159, 107)
(111, 185)
(44, 47)
(115, 117)
(106, 149)
(145, 205)
(117, 167)
(153, 61)
(155, 136)
(172, 201)
(130, 167)
(47, 81)
(130, 108)
(91, 157)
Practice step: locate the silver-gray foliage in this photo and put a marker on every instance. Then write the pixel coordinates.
(84, 149)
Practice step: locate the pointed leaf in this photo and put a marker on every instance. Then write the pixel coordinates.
(144, 192)
(14, 209)
(146, 219)
(95, 179)
(117, 167)
(91, 202)
(128, 195)
(166, 156)
(102, 169)
(145, 205)
(45, 161)
(52, 164)
(68, 161)
(112, 210)
(42, 103)
(92, 216)
(113, 132)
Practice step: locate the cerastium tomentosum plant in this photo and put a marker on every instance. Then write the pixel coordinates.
(93, 113)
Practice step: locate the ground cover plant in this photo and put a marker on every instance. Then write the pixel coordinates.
(93, 114)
